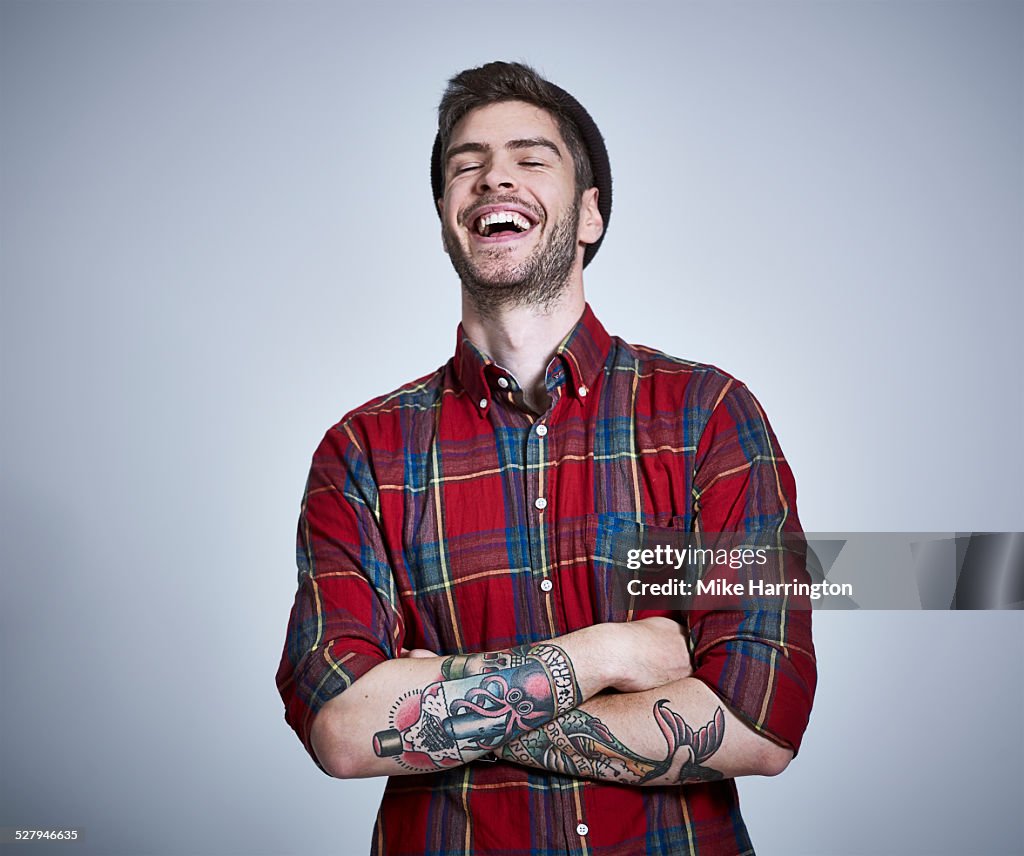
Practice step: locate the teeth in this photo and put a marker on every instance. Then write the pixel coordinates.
(513, 217)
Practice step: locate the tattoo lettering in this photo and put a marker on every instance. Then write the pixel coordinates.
(579, 744)
(481, 702)
(563, 680)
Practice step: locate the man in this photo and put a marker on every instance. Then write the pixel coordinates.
(456, 625)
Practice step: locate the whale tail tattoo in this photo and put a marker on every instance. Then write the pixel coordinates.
(688, 749)
(582, 745)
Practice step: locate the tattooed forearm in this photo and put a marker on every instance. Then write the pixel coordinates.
(578, 744)
(481, 702)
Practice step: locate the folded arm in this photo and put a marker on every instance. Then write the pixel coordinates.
(675, 734)
(423, 714)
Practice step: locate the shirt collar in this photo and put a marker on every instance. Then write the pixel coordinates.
(582, 353)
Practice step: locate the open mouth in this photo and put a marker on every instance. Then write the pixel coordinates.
(502, 224)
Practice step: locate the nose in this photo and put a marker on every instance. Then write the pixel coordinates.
(497, 176)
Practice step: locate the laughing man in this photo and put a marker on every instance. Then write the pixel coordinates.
(454, 626)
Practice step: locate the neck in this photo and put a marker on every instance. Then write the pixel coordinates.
(522, 339)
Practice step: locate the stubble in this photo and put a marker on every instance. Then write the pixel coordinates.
(538, 281)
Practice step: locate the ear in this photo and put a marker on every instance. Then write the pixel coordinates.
(591, 222)
(440, 210)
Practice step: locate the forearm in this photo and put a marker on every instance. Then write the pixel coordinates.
(423, 714)
(675, 734)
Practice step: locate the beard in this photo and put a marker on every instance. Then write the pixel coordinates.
(538, 280)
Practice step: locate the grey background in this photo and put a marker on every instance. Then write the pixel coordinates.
(217, 238)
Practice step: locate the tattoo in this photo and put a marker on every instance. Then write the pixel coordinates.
(578, 744)
(481, 702)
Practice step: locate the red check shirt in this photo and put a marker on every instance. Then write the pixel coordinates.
(433, 515)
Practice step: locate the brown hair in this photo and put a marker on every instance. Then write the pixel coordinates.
(512, 81)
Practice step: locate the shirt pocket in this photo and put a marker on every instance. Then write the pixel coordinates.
(594, 574)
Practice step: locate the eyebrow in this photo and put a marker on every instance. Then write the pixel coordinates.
(483, 148)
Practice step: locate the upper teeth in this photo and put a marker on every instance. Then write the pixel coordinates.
(513, 217)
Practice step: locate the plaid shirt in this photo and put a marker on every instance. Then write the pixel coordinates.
(433, 516)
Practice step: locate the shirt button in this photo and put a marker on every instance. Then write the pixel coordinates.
(582, 829)
(540, 502)
(583, 394)
(542, 430)
(547, 585)
(483, 402)
(503, 382)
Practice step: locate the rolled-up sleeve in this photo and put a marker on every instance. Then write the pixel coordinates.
(345, 619)
(760, 662)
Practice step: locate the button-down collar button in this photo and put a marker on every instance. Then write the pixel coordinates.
(542, 430)
(540, 502)
(483, 403)
(582, 829)
(503, 382)
(583, 394)
(547, 585)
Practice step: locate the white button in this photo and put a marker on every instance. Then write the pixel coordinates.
(542, 430)
(503, 382)
(547, 585)
(582, 829)
(583, 394)
(541, 503)
(483, 402)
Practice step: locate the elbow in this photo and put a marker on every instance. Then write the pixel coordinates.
(773, 759)
(341, 763)
(338, 765)
(331, 748)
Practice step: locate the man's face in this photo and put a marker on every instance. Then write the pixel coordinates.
(510, 215)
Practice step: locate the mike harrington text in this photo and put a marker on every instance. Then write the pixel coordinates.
(751, 588)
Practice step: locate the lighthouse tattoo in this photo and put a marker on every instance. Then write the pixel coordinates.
(480, 703)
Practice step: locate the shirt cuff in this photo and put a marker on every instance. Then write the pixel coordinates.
(326, 672)
(769, 686)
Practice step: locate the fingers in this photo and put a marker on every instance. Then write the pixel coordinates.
(415, 653)
(663, 622)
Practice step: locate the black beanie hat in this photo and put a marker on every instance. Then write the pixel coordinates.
(599, 164)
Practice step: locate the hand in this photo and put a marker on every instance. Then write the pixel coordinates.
(416, 653)
(649, 653)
